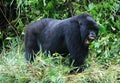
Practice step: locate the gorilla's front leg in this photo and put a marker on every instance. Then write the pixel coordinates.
(78, 57)
(31, 45)
(77, 50)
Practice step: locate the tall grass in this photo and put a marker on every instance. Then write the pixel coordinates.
(101, 68)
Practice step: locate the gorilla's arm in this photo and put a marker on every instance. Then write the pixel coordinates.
(78, 52)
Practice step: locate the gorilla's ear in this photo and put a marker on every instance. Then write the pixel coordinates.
(78, 22)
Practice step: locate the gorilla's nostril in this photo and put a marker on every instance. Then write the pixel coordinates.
(93, 34)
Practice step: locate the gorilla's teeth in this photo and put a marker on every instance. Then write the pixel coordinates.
(92, 38)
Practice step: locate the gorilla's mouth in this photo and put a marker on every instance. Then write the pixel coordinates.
(89, 40)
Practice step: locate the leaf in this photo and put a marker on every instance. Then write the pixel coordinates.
(44, 2)
(91, 6)
(50, 5)
(97, 45)
(78, 12)
(102, 28)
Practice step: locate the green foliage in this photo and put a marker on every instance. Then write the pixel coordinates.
(106, 13)
(107, 49)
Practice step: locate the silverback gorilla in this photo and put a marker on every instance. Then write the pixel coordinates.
(72, 35)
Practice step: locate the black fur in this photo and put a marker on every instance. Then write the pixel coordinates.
(62, 36)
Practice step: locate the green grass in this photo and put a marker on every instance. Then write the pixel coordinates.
(103, 65)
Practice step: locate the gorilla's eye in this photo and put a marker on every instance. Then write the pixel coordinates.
(93, 29)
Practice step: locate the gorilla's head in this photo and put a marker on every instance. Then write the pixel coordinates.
(88, 29)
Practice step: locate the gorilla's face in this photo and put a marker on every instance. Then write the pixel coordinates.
(89, 30)
(91, 36)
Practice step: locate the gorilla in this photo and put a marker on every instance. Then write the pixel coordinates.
(69, 36)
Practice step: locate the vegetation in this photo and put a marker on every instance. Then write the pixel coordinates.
(102, 64)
